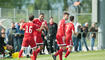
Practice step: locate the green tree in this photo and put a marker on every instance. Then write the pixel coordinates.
(42, 5)
(65, 2)
(86, 6)
(13, 3)
(65, 8)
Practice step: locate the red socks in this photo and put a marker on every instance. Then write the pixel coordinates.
(38, 50)
(34, 55)
(20, 53)
(67, 53)
(59, 51)
(60, 55)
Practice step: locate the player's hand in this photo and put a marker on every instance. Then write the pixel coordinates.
(45, 37)
(42, 26)
(21, 24)
(43, 23)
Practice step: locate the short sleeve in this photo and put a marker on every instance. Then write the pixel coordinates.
(35, 20)
(45, 23)
(35, 27)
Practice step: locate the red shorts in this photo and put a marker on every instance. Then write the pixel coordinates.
(38, 40)
(69, 42)
(28, 41)
(60, 40)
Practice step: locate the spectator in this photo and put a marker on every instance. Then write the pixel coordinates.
(93, 31)
(20, 33)
(0, 28)
(12, 37)
(74, 37)
(2, 43)
(84, 35)
(78, 41)
(52, 30)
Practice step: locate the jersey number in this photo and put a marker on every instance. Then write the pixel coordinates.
(28, 29)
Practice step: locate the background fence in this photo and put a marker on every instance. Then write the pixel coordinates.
(16, 15)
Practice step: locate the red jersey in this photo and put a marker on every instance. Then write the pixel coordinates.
(69, 27)
(29, 27)
(61, 28)
(38, 23)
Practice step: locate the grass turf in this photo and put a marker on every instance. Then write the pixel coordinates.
(90, 55)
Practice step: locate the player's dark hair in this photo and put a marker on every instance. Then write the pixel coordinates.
(66, 13)
(31, 17)
(71, 18)
(41, 13)
(51, 17)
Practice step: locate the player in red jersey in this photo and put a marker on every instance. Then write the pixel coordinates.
(28, 39)
(69, 29)
(60, 36)
(37, 35)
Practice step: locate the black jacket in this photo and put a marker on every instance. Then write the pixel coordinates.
(52, 30)
(2, 43)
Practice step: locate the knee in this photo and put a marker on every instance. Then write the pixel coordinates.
(23, 48)
(41, 47)
(64, 48)
(69, 48)
(34, 48)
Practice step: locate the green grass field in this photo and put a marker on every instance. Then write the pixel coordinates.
(90, 55)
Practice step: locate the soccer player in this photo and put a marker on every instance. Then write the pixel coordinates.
(69, 29)
(60, 36)
(28, 39)
(37, 35)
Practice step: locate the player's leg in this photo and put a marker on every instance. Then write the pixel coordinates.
(68, 52)
(21, 51)
(34, 53)
(59, 52)
(39, 43)
(61, 46)
(24, 45)
(69, 48)
(33, 46)
(39, 49)
(60, 55)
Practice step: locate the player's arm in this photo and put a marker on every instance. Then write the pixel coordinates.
(45, 25)
(73, 30)
(34, 20)
(40, 29)
(22, 27)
